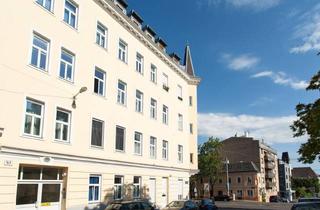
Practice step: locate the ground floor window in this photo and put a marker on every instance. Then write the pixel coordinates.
(136, 186)
(250, 193)
(239, 194)
(118, 187)
(94, 188)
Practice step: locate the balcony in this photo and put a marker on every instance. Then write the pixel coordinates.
(270, 174)
(270, 185)
(268, 157)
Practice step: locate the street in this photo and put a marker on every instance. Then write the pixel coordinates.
(248, 205)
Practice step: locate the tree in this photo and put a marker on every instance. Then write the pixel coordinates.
(210, 161)
(305, 187)
(308, 123)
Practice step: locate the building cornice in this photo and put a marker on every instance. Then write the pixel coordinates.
(125, 21)
(67, 157)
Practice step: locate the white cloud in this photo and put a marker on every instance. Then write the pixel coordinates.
(224, 125)
(261, 102)
(282, 78)
(241, 62)
(256, 5)
(308, 31)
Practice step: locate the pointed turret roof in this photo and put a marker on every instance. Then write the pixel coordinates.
(188, 61)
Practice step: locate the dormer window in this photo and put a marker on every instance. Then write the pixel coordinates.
(122, 5)
(161, 43)
(149, 32)
(136, 19)
(175, 58)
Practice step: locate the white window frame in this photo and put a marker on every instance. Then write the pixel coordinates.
(94, 188)
(40, 51)
(165, 80)
(165, 115)
(100, 81)
(180, 153)
(122, 94)
(153, 108)
(62, 123)
(139, 63)
(165, 149)
(139, 101)
(136, 185)
(70, 13)
(153, 147)
(33, 116)
(116, 185)
(153, 74)
(180, 122)
(102, 133)
(123, 52)
(100, 35)
(45, 3)
(138, 143)
(179, 90)
(67, 64)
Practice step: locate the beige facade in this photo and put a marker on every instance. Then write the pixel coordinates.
(59, 153)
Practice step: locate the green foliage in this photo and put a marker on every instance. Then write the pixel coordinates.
(209, 160)
(308, 123)
(305, 187)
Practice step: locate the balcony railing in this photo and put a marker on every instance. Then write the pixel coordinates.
(270, 174)
(270, 165)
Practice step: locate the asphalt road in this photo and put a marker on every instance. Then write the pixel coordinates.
(248, 205)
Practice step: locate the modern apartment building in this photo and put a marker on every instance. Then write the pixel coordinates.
(256, 154)
(285, 176)
(92, 107)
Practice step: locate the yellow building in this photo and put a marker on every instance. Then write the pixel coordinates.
(92, 107)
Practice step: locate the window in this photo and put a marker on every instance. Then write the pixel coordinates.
(63, 119)
(239, 179)
(191, 157)
(180, 122)
(122, 93)
(249, 180)
(165, 114)
(190, 100)
(47, 4)
(66, 65)
(40, 52)
(153, 109)
(139, 101)
(94, 188)
(137, 143)
(229, 180)
(99, 81)
(165, 84)
(180, 92)
(136, 186)
(120, 138)
(139, 63)
(70, 13)
(153, 73)
(191, 128)
(165, 150)
(101, 36)
(97, 133)
(180, 153)
(250, 193)
(33, 118)
(123, 48)
(118, 187)
(153, 147)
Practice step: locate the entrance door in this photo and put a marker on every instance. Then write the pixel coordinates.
(180, 189)
(38, 196)
(152, 190)
(164, 193)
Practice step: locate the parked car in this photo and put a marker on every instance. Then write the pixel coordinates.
(207, 204)
(306, 206)
(130, 205)
(222, 198)
(274, 199)
(308, 200)
(181, 205)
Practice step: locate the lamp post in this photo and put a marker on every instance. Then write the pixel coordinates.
(227, 173)
(74, 98)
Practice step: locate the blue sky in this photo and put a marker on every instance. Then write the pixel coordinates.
(255, 58)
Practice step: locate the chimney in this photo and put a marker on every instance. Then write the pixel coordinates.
(246, 134)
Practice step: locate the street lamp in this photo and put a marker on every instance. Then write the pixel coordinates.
(227, 172)
(74, 98)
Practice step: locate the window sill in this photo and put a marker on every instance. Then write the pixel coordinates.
(180, 98)
(121, 61)
(122, 105)
(71, 27)
(103, 48)
(44, 71)
(120, 151)
(139, 155)
(62, 142)
(66, 81)
(100, 96)
(27, 136)
(96, 147)
(50, 12)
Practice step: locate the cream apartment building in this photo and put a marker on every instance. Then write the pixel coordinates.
(92, 107)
